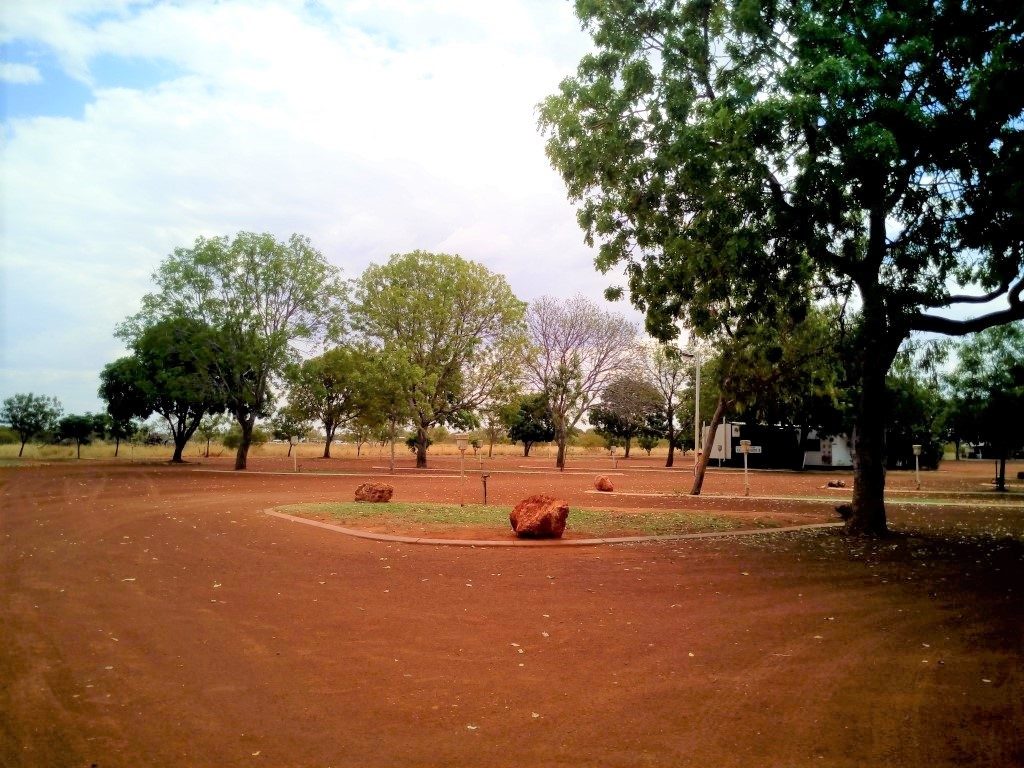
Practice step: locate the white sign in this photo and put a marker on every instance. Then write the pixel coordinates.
(753, 449)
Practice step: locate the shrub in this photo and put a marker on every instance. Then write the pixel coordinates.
(233, 438)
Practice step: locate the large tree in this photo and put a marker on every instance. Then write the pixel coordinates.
(456, 322)
(329, 389)
(261, 296)
(630, 406)
(527, 419)
(576, 349)
(79, 428)
(30, 415)
(169, 373)
(731, 153)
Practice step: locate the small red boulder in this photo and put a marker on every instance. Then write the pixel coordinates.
(604, 484)
(376, 492)
(539, 517)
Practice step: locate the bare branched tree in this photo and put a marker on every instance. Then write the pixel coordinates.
(576, 349)
(668, 371)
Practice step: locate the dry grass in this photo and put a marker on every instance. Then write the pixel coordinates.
(100, 449)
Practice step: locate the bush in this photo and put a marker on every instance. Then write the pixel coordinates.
(410, 441)
(8, 436)
(233, 438)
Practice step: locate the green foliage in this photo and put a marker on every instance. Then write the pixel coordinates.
(648, 442)
(457, 325)
(987, 390)
(528, 420)
(741, 160)
(233, 437)
(257, 296)
(629, 407)
(412, 442)
(172, 373)
(30, 415)
(79, 429)
(915, 414)
(288, 424)
(8, 436)
(333, 389)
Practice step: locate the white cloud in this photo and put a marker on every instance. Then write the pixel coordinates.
(21, 74)
(373, 127)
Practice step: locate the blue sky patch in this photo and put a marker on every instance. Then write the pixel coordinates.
(57, 95)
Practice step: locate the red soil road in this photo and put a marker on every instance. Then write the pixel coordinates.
(154, 616)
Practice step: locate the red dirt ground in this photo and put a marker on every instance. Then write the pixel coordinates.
(154, 616)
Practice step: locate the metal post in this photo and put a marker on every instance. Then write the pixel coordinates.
(462, 441)
(917, 465)
(745, 449)
(483, 477)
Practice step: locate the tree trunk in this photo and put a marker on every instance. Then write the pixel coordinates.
(20, 450)
(394, 427)
(246, 423)
(868, 517)
(290, 446)
(702, 467)
(671, 442)
(1001, 477)
(117, 446)
(208, 447)
(560, 458)
(629, 444)
(526, 449)
(956, 445)
(421, 447)
(180, 441)
(78, 449)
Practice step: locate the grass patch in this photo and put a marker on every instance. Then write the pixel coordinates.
(590, 522)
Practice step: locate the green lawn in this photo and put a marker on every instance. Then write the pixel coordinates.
(593, 522)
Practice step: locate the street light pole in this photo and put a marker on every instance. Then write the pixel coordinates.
(696, 414)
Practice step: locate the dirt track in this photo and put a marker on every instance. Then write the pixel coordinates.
(155, 616)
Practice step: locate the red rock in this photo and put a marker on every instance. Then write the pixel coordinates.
(604, 484)
(374, 492)
(539, 517)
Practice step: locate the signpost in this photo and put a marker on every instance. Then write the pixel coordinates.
(745, 448)
(462, 441)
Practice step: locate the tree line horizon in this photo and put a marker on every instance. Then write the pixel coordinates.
(434, 340)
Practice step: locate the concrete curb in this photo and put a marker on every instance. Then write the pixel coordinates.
(545, 543)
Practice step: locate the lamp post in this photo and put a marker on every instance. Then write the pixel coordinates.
(917, 465)
(462, 442)
(695, 356)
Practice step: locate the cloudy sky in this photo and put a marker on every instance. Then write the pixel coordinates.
(372, 126)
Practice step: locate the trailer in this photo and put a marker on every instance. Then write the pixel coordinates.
(771, 446)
